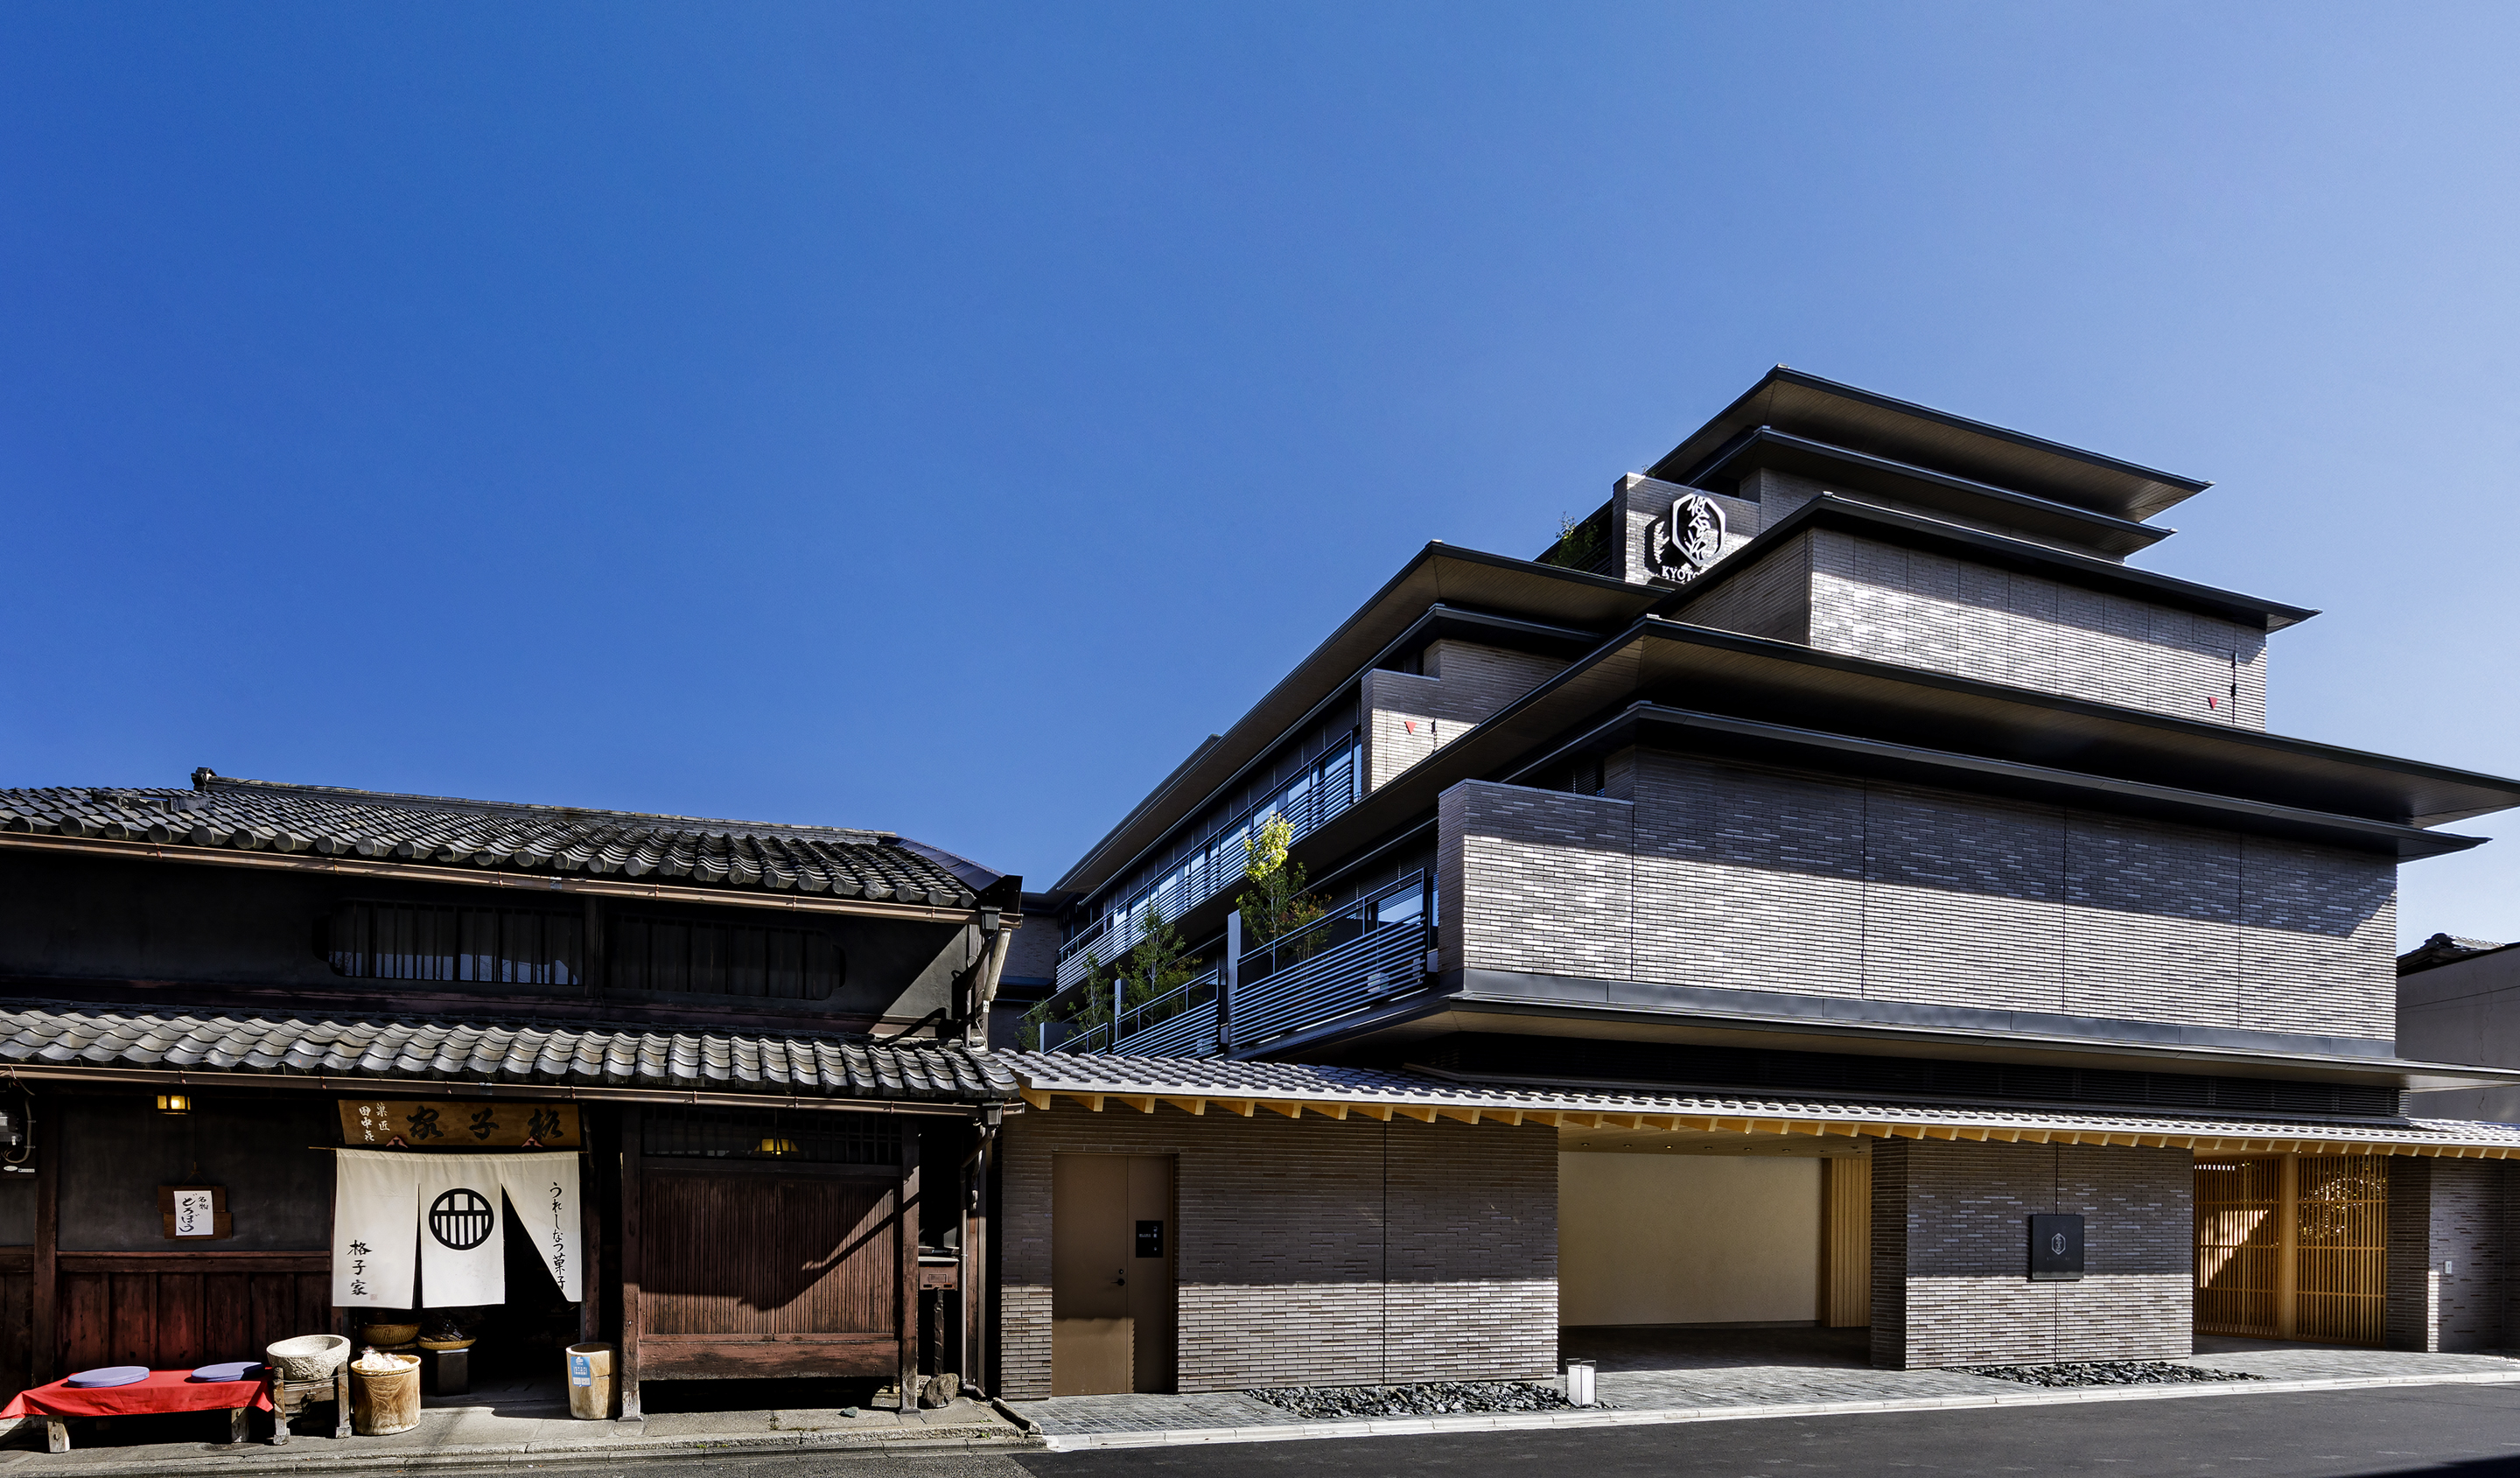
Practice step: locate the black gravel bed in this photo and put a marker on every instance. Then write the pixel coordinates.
(2103, 1372)
(1433, 1398)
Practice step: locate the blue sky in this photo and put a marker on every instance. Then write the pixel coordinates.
(939, 417)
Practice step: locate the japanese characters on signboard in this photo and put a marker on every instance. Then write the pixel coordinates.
(417, 1124)
(190, 1211)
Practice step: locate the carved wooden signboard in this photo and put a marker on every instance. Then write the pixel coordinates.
(426, 1124)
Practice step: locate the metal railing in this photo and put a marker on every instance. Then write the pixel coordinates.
(1325, 788)
(1179, 1023)
(1365, 953)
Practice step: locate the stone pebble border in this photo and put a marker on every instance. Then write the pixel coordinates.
(1629, 1416)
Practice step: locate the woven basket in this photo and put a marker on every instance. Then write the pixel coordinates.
(309, 1357)
(386, 1337)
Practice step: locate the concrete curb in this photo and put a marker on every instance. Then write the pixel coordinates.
(1529, 1421)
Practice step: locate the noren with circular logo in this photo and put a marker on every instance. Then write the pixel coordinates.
(462, 1219)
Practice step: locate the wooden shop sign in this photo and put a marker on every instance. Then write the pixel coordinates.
(435, 1124)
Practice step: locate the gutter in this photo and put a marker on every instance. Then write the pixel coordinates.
(361, 1087)
(597, 888)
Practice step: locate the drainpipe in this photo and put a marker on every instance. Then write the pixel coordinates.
(992, 962)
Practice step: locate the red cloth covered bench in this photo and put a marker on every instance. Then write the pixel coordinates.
(162, 1393)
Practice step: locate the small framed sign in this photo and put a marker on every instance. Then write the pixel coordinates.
(1151, 1239)
(185, 1212)
(422, 1124)
(2055, 1248)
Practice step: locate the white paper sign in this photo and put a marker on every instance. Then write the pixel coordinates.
(195, 1214)
(542, 1194)
(462, 1256)
(375, 1207)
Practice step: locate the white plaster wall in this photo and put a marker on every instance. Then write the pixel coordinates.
(1686, 1239)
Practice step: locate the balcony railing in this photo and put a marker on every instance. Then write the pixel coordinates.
(1180, 1023)
(1365, 953)
(1324, 789)
(1351, 959)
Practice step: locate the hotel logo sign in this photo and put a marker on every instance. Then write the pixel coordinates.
(1680, 544)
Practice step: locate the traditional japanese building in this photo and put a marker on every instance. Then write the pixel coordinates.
(1831, 886)
(286, 1059)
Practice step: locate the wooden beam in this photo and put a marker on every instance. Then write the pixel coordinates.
(1288, 1107)
(44, 1314)
(1420, 1112)
(906, 1223)
(633, 1266)
(1035, 1097)
(1194, 1108)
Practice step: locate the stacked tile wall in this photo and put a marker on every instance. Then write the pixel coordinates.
(2450, 1224)
(1771, 600)
(1894, 604)
(1408, 716)
(1312, 1251)
(1745, 877)
(1951, 1224)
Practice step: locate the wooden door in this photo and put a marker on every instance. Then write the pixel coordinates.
(747, 1271)
(1111, 1274)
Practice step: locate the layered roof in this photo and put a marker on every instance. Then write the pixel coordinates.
(223, 819)
(1901, 431)
(491, 1054)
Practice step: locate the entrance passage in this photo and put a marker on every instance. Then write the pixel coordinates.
(2293, 1247)
(1111, 1274)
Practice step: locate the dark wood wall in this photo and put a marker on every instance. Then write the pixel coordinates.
(177, 1310)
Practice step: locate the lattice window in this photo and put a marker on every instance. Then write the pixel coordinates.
(401, 941)
(746, 1133)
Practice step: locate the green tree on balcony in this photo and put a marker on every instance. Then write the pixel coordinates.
(1274, 904)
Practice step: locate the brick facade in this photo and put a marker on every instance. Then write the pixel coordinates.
(1713, 874)
(1312, 1251)
(2449, 1223)
(1951, 1253)
(1408, 716)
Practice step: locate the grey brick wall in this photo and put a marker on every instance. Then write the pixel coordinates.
(1408, 716)
(1744, 878)
(1534, 880)
(1951, 1253)
(1772, 600)
(1875, 600)
(1312, 1251)
(2448, 1230)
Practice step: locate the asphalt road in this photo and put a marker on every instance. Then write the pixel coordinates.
(2451, 1431)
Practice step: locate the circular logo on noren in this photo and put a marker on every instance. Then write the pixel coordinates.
(461, 1219)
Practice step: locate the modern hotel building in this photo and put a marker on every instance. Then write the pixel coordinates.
(1831, 886)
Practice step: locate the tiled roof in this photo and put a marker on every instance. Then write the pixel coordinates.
(47, 1035)
(1083, 1075)
(243, 815)
(2443, 949)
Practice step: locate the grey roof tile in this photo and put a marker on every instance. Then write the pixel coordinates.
(245, 815)
(1219, 1077)
(499, 1053)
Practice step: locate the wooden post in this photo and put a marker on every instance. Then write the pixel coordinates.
(43, 1358)
(2289, 1247)
(966, 1280)
(590, 1250)
(907, 1318)
(627, 1372)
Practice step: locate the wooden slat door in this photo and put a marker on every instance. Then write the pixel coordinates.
(768, 1274)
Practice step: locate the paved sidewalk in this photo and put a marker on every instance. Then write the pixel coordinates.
(476, 1435)
(1795, 1373)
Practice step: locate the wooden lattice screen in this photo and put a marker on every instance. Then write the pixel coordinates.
(2342, 1230)
(2240, 1245)
(2292, 1247)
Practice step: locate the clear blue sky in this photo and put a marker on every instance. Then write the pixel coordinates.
(939, 417)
